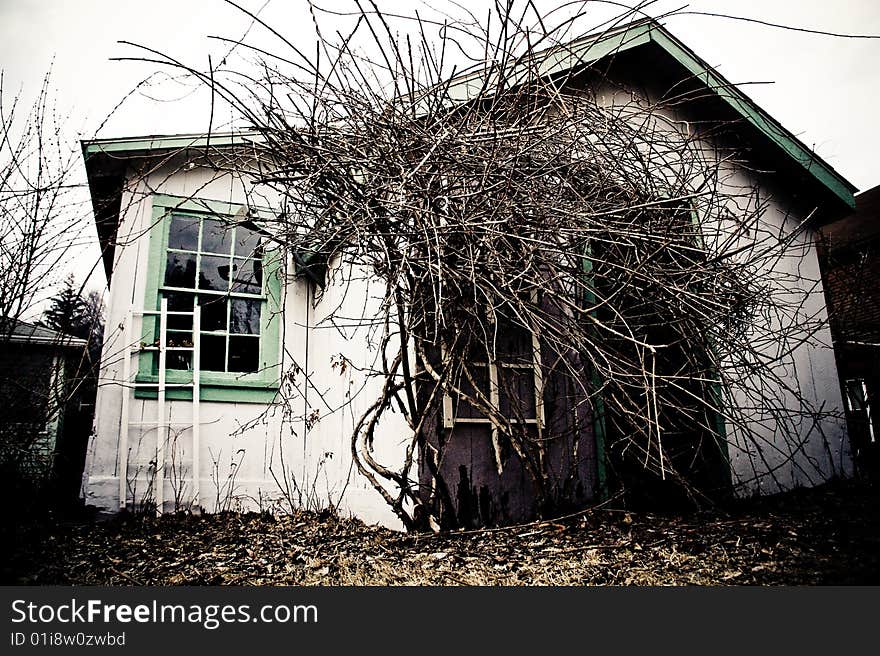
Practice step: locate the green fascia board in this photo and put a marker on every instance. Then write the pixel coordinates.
(225, 393)
(169, 203)
(168, 142)
(589, 49)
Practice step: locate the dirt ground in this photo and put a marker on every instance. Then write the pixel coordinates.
(829, 535)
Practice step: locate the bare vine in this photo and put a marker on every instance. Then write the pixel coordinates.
(519, 221)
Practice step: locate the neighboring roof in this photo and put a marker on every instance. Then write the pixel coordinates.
(868, 202)
(106, 159)
(29, 333)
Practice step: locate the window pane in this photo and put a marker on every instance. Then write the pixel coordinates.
(464, 408)
(516, 393)
(245, 316)
(179, 302)
(184, 233)
(514, 343)
(179, 338)
(180, 270)
(247, 243)
(214, 273)
(244, 353)
(247, 277)
(178, 359)
(856, 392)
(216, 237)
(213, 312)
(213, 351)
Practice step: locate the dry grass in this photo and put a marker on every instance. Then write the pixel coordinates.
(824, 536)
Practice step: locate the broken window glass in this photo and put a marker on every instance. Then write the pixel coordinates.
(245, 316)
(247, 276)
(214, 273)
(247, 243)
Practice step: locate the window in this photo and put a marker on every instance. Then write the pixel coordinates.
(202, 254)
(509, 379)
(858, 402)
(217, 266)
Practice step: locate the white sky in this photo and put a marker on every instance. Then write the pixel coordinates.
(823, 89)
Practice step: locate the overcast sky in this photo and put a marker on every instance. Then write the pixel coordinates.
(823, 89)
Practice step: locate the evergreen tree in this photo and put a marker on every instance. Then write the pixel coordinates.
(83, 317)
(92, 326)
(67, 312)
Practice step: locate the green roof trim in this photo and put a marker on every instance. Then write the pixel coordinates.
(168, 142)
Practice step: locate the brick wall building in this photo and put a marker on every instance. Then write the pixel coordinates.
(849, 253)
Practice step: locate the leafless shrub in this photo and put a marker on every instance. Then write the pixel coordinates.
(40, 220)
(178, 475)
(517, 220)
(226, 493)
(39, 217)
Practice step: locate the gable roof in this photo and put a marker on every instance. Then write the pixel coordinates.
(105, 159)
(107, 162)
(587, 50)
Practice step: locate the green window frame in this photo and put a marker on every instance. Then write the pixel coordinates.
(258, 384)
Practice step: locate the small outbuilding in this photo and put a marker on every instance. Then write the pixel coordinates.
(233, 374)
